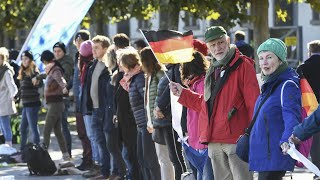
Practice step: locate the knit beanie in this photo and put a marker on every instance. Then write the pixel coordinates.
(47, 56)
(86, 48)
(28, 54)
(200, 46)
(60, 45)
(82, 34)
(276, 46)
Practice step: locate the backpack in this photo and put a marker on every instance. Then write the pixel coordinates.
(309, 104)
(38, 160)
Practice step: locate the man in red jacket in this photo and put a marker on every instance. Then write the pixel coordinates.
(227, 105)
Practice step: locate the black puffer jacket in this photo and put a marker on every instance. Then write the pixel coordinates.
(136, 94)
(163, 95)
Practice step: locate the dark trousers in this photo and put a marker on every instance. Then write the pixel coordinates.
(271, 175)
(128, 144)
(65, 125)
(147, 156)
(108, 145)
(82, 134)
(315, 150)
(175, 151)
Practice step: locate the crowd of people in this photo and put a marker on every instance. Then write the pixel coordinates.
(123, 110)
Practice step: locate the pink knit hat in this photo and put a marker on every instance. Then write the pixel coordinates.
(86, 48)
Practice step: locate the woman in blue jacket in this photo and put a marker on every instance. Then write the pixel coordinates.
(133, 82)
(277, 116)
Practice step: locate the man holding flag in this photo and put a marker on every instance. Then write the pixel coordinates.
(226, 107)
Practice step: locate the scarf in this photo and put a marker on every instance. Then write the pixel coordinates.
(275, 74)
(214, 63)
(5, 66)
(126, 80)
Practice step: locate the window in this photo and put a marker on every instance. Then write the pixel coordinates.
(191, 23)
(144, 24)
(315, 18)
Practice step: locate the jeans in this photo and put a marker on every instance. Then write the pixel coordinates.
(6, 128)
(65, 125)
(92, 137)
(207, 173)
(29, 120)
(108, 145)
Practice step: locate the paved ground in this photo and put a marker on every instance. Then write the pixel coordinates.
(21, 172)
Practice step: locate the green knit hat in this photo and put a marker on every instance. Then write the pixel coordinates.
(276, 46)
(214, 32)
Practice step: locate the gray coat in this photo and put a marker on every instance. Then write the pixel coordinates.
(8, 89)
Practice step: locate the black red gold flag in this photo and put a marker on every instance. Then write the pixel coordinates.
(171, 46)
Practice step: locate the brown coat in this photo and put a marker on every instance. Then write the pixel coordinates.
(55, 83)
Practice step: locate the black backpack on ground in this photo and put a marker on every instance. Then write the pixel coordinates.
(38, 160)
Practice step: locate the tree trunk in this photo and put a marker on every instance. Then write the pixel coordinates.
(169, 18)
(259, 9)
(100, 26)
(1, 37)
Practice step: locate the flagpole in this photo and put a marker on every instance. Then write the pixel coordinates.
(154, 55)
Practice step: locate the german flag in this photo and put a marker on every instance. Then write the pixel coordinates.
(309, 100)
(171, 46)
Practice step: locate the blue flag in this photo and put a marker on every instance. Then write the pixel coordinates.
(58, 21)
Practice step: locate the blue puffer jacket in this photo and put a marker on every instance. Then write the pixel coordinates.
(309, 126)
(136, 97)
(275, 123)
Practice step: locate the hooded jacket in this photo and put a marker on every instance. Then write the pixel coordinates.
(274, 124)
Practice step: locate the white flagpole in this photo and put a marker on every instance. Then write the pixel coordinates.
(154, 54)
(32, 30)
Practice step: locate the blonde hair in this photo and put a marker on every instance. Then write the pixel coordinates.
(105, 41)
(4, 54)
(29, 71)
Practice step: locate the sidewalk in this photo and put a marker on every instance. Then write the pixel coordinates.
(22, 172)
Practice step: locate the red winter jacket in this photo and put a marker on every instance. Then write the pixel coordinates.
(240, 91)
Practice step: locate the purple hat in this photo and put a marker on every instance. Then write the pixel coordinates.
(86, 48)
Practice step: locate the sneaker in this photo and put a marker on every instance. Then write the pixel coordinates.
(66, 156)
(84, 166)
(94, 171)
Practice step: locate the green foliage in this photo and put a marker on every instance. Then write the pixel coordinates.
(19, 14)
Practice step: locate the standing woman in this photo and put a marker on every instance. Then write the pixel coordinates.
(193, 74)
(279, 113)
(54, 90)
(133, 82)
(8, 90)
(28, 93)
(153, 74)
